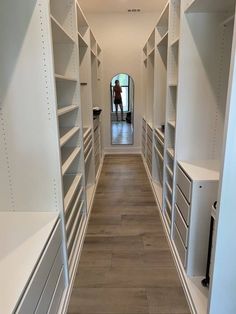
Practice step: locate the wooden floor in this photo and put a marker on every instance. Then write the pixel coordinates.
(126, 266)
(122, 133)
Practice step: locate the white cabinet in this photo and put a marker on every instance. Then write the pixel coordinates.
(197, 188)
(42, 286)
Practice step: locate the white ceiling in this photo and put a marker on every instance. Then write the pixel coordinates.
(121, 6)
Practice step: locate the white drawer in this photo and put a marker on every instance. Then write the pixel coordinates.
(181, 226)
(58, 293)
(49, 289)
(179, 246)
(183, 205)
(35, 287)
(184, 183)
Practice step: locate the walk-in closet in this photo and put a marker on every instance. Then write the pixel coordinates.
(86, 222)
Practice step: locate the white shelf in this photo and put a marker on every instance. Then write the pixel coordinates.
(168, 203)
(171, 152)
(160, 133)
(93, 53)
(66, 134)
(163, 41)
(66, 109)
(151, 52)
(173, 84)
(210, 6)
(88, 155)
(172, 124)
(72, 183)
(69, 154)
(159, 153)
(75, 205)
(82, 42)
(23, 236)
(202, 169)
(169, 188)
(164, 17)
(169, 171)
(74, 228)
(65, 78)
(86, 132)
(59, 34)
(175, 42)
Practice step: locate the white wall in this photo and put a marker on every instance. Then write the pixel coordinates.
(122, 37)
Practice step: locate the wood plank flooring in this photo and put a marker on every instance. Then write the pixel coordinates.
(126, 266)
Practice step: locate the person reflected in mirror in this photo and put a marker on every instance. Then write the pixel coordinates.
(117, 90)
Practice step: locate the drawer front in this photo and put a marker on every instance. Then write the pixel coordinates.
(184, 183)
(49, 289)
(183, 205)
(58, 293)
(180, 247)
(181, 226)
(37, 283)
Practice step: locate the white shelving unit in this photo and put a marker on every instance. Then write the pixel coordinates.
(46, 104)
(193, 99)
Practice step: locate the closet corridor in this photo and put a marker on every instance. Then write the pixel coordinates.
(126, 265)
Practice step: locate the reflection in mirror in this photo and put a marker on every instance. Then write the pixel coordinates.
(122, 109)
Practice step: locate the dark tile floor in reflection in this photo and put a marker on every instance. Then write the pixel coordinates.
(122, 133)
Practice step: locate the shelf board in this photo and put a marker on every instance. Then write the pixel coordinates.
(73, 183)
(66, 134)
(82, 21)
(201, 169)
(169, 188)
(163, 41)
(88, 155)
(160, 133)
(175, 42)
(75, 205)
(172, 124)
(66, 109)
(170, 171)
(65, 78)
(159, 153)
(151, 51)
(173, 84)
(168, 203)
(86, 132)
(171, 152)
(210, 6)
(93, 53)
(73, 231)
(229, 20)
(82, 42)
(69, 154)
(164, 17)
(59, 34)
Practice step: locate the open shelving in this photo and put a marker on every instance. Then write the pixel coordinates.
(53, 88)
(66, 109)
(194, 61)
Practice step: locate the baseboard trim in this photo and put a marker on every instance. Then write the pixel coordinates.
(122, 149)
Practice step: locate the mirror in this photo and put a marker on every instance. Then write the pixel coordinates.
(122, 109)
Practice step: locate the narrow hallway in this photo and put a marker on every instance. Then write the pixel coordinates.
(126, 266)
